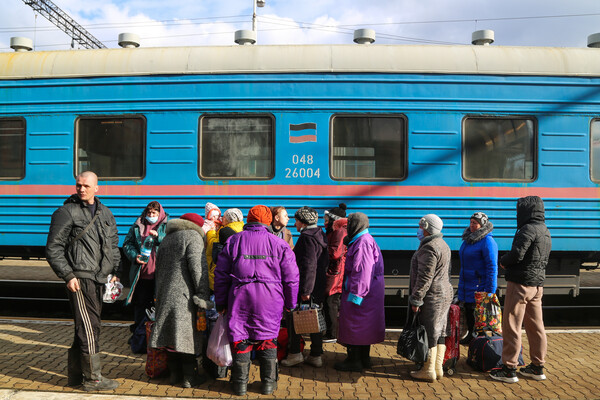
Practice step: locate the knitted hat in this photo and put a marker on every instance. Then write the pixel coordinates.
(307, 215)
(225, 233)
(480, 217)
(234, 215)
(211, 211)
(193, 217)
(431, 223)
(337, 212)
(260, 214)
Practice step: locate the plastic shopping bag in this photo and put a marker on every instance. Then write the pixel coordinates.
(219, 350)
(112, 290)
(488, 314)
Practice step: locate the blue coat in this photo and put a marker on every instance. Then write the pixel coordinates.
(478, 268)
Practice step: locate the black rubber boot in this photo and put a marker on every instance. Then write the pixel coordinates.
(189, 365)
(93, 379)
(268, 370)
(352, 362)
(175, 368)
(239, 373)
(74, 372)
(365, 357)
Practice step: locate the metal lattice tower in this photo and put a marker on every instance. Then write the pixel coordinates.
(68, 25)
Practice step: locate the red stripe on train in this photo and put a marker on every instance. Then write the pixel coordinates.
(212, 190)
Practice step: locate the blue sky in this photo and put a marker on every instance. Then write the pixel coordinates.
(560, 23)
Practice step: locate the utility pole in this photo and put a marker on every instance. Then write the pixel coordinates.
(68, 25)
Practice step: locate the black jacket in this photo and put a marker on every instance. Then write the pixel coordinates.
(526, 262)
(95, 255)
(312, 259)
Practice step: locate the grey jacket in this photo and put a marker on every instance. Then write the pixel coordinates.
(430, 286)
(181, 287)
(95, 255)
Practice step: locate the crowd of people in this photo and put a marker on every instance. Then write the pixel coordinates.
(256, 276)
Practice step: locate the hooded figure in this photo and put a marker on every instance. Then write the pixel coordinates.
(233, 219)
(181, 288)
(152, 221)
(362, 314)
(525, 266)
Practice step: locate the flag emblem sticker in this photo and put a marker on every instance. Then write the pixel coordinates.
(302, 133)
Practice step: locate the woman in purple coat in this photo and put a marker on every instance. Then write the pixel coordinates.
(362, 316)
(255, 279)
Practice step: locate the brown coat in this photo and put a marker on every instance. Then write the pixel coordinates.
(430, 287)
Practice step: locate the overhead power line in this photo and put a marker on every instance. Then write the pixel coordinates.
(68, 25)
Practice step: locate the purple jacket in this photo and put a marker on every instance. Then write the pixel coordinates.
(255, 278)
(362, 324)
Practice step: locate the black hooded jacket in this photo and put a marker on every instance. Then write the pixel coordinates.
(526, 262)
(313, 259)
(95, 255)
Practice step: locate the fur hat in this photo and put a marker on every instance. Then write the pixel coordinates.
(337, 212)
(211, 211)
(431, 223)
(307, 215)
(234, 215)
(260, 214)
(193, 217)
(480, 217)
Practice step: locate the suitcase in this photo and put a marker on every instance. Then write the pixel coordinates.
(485, 353)
(453, 341)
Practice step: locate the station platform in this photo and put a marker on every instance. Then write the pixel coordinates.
(33, 362)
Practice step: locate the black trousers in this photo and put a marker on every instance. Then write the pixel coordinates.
(143, 298)
(86, 306)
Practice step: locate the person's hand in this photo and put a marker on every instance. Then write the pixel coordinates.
(73, 285)
(115, 279)
(415, 309)
(305, 297)
(223, 311)
(153, 233)
(501, 266)
(139, 260)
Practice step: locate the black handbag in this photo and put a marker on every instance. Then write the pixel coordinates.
(413, 343)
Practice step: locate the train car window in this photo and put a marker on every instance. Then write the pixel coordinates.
(237, 147)
(499, 149)
(112, 147)
(12, 148)
(595, 151)
(368, 147)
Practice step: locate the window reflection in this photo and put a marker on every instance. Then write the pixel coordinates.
(12, 148)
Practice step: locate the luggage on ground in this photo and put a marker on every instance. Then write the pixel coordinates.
(453, 341)
(156, 359)
(485, 353)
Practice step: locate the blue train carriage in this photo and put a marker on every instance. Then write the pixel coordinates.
(394, 131)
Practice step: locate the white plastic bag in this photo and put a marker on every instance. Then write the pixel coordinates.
(218, 343)
(113, 290)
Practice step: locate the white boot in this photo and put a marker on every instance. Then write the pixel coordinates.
(427, 373)
(439, 361)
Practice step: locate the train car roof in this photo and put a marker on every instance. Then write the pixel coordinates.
(460, 59)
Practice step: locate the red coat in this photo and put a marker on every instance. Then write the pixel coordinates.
(337, 257)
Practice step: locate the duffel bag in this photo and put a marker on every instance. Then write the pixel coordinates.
(485, 353)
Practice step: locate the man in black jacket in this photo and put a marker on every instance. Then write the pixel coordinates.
(83, 249)
(525, 266)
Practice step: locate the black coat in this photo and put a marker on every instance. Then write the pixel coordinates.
(313, 260)
(95, 255)
(526, 262)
